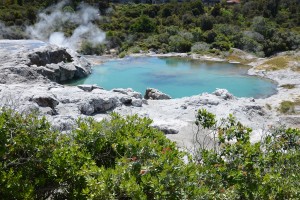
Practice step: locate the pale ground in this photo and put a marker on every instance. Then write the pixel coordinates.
(23, 92)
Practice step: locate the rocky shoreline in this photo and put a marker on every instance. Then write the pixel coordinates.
(31, 73)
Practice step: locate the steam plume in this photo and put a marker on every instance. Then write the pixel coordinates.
(12, 32)
(51, 21)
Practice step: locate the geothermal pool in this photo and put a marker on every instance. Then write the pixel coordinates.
(178, 77)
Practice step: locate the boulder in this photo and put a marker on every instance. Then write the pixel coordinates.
(223, 93)
(154, 94)
(129, 92)
(45, 101)
(209, 101)
(126, 100)
(58, 64)
(86, 108)
(49, 55)
(122, 90)
(88, 88)
(165, 129)
(93, 105)
(137, 102)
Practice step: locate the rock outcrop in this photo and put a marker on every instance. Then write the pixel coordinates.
(154, 94)
(31, 60)
(88, 88)
(223, 93)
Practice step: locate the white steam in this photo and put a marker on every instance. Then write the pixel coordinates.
(4, 31)
(12, 32)
(52, 20)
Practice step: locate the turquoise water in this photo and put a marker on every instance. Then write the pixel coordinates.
(178, 77)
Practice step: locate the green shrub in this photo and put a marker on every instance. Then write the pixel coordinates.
(126, 158)
(287, 107)
(179, 44)
(222, 45)
(115, 159)
(200, 47)
(122, 54)
(135, 49)
(143, 24)
(88, 48)
(235, 168)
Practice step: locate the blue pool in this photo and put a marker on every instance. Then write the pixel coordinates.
(178, 77)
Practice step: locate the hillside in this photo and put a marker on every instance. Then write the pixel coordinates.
(260, 27)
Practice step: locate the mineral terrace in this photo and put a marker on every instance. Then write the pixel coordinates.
(33, 73)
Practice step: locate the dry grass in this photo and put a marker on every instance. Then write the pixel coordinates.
(288, 86)
(236, 58)
(288, 107)
(281, 62)
(276, 63)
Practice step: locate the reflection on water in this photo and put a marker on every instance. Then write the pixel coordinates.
(178, 77)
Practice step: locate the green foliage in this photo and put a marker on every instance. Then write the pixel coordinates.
(221, 42)
(200, 47)
(143, 24)
(239, 169)
(179, 44)
(205, 119)
(122, 54)
(125, 158)
(206, 22)
(262, 27)
(115, 159)
(88, 48)
(287, 107)
(26, 145)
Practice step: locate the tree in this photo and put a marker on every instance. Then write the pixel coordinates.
(143, 24)
(206, 22)
(179, 44)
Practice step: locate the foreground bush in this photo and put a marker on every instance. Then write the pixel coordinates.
(125, 158)
(116, 159)
(235, 168)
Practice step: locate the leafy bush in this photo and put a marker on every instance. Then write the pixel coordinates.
(125, 158)
(122, 54)
(235, 168)
(200, 47)
(206, 22)
(287, 107)
(143, 24)
(134, 49)
(115, 159)
(179, 44)
(88, 48)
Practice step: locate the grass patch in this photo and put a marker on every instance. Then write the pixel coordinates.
(288, 107)
(236, 58)
(276, 63)
(288, 86)
(122, 54)
(134, 49)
